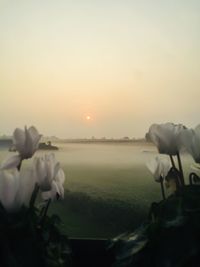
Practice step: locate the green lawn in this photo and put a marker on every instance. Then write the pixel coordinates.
(108, 187)
(105, 201)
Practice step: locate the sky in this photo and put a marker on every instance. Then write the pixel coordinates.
(83, 68)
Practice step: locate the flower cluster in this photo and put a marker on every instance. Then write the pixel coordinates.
(171, 139)
(19, 184)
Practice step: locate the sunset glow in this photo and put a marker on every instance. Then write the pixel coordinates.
(129, 63)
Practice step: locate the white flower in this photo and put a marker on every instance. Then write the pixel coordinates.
(190, 139)
(166, 137)
(9, 186)
(16, 187)
(26, 142)
(57, 191)
(159, 168)
(57, 188)
(46, 170)
(40, 173)
(60, 179)
(11, 162)
(26, 184)
(49, 176)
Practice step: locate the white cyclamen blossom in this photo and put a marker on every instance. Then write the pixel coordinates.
(11, 162)
(9, 187)
(190, 139)
(16, 187)
(57, 191)
(26, 184)
(166, 137)
(159, 168)
(26, 142)
(46, 169)
(49, 176)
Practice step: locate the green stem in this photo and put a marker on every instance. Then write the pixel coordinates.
(162, 189)
(191, 178)
(42, 212)
(34, 196)
(172, 161)
(178, 181)
(47, 207)
(45, 213)
(180, 169)
(19, 165)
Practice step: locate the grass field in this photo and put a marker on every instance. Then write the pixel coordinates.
(108, 187)
(117, 200)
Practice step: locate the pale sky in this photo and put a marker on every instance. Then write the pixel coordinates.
(125, 63)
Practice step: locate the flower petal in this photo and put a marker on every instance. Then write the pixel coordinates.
(12, 162)
(60, 176)
(191, 140)
(40, 171)
(33, 132)
(35, 137)
(46, 195)
(9, 185)
(159, 168)
(166, 137)
(19, 140)
(153, 168)
(26, 142)
(52, 194)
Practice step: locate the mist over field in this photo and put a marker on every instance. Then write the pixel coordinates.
(108, 188)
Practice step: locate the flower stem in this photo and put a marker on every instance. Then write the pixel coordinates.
(162, 189)
(180, 169)
(34, 196)
(19, 165)
(179, 180)
(191, 178)
(44, 213)
(172, 161)
(47, 207)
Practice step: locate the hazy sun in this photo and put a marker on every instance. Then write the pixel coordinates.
(88, 118)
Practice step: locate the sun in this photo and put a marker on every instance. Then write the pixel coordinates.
(88, 118)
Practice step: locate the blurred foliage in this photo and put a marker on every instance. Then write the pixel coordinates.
(170, 237)
(25, 241)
